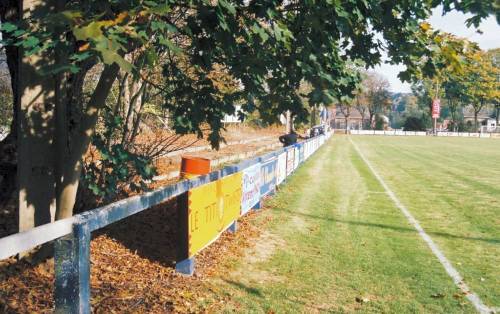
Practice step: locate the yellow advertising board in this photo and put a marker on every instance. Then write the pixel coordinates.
(211, 209)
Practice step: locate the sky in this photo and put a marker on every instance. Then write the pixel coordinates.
(453, 22)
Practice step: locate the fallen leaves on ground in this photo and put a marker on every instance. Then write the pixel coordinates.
(132, 269)
(438, 295)
(133, 260)
(362, 300)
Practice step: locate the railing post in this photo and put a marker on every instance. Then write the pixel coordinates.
(186, 266)
(72, 271)
(233, 227)
(257, 206)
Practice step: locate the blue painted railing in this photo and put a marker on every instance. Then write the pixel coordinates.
(72, 235)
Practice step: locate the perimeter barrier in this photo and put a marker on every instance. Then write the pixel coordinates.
(420, 133)
(209, 205)
(392, 132)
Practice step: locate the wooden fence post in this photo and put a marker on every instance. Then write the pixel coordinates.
(72, 271)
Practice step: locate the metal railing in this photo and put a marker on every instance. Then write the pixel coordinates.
(72, 235)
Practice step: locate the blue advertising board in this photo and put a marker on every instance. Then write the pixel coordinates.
(268, 176)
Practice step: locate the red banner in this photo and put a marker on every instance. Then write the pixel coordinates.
(436, 108)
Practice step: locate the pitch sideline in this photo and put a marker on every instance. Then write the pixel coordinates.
(452, 272)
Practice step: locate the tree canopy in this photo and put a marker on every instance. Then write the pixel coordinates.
(268, 47)
(462, 74)
(264, 49)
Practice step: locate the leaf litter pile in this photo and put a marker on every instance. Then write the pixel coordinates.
(132, 269)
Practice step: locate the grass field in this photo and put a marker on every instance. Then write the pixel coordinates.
(337, 243)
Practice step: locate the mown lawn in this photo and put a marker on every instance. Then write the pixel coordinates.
(452, 186)
(337, 243)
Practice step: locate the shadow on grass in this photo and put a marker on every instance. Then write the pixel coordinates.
(247, 289)
(293, 301)
(391, 227)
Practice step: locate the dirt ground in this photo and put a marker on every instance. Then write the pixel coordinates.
(166, 165)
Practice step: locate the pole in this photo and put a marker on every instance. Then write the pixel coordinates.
(289, 123)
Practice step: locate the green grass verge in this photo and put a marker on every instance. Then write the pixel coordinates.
(337, 243)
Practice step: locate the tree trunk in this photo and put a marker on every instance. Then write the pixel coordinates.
(313, 116)
(53, 127)
(289, 122)
(127, 107)
(35, 123)
(346, 111)
(134, 108)
(9, 12)
(371, 113)
(138, 116)
(362, 112)
(497, 115)
(453, 110)
(80, 141)
(475, 120)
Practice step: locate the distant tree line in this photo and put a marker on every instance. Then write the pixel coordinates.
(465, 79)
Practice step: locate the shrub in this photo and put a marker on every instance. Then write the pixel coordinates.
(117, 169)
(414, 124)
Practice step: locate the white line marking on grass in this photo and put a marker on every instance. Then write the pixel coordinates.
(452, 272)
